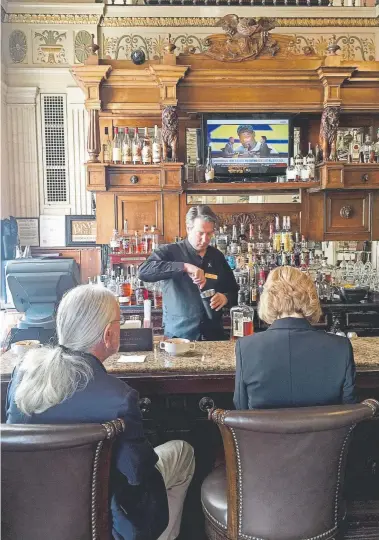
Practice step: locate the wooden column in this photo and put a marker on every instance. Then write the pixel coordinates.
(90, 78)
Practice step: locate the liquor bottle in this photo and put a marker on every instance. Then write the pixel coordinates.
(341, 150)
(242, 239)
(125, 289)
(154, 238)
(112, 284)
(234, 241)
(242, 319)
(136, 148)
(114, 243)
(366, 148)
(107, 147)
(376, 147)
(116, 147)
(298, 165)
(304, 171)
(126, 152)
(311, 162)
(221, 241)
(146, 149)
(355, 148)
(290, 171)
(156, 147)
(209, 170)
(141, 293)
(146, 240)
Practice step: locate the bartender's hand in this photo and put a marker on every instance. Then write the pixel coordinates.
(218, 301)
(196, 274)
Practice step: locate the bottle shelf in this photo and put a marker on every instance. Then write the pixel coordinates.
(253, 186)
(116, 258)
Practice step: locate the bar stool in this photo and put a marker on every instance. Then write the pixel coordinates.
(284, 473)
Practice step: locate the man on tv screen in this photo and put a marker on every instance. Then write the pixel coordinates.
(228, 151)
(249, 145)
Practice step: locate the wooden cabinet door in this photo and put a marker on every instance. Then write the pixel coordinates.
(140, 209)
(348, 215)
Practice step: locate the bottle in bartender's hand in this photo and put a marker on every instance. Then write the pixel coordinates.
(242, 319)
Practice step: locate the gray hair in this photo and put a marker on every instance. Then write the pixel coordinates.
(202, 212)
(48, 376)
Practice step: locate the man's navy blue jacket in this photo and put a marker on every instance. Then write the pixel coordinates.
(139, 499)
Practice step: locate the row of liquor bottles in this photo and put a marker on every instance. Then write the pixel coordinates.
(129, 290)
(350, 149)
(125, 149)
(125, 243)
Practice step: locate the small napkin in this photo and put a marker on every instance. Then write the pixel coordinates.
(132, 358)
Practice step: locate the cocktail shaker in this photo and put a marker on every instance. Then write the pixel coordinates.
(206, 299)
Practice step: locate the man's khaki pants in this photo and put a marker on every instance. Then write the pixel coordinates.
(176, 464)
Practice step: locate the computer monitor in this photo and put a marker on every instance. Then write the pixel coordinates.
(37, 286)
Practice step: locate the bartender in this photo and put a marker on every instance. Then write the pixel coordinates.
(186, 269)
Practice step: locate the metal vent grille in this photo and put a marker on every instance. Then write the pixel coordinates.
(53, 109)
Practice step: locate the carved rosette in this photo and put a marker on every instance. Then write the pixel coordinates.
(170, 132)
(328, 132)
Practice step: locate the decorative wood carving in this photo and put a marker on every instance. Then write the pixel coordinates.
(93, 140)
(346, 212)
(170, 132)
(245, 38)
(328, 132)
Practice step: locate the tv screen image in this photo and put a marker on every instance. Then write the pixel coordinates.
(254, 144)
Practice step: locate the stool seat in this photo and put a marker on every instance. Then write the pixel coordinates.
(214, 497)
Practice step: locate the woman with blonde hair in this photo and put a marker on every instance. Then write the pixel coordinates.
(292, 364)
(68, 384)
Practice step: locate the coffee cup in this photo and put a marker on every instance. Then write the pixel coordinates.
(177, 346)
(21, 347)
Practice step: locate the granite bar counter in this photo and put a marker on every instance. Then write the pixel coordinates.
(210, 367)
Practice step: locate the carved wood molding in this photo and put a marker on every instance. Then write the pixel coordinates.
(167, 77)
(332, 78)
(90, 78)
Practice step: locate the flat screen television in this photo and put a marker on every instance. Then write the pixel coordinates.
(258, 145)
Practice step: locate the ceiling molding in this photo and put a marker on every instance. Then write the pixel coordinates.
(209, 22)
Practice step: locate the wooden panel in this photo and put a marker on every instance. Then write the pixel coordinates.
(140, 209)
(171, 215)
(88, 259)
(119, 177)
(105, 217)
(357, 225)
(375, 216)
(331, 175)
(313, 217)
(362, 175)
(96, 180)
(172, 175)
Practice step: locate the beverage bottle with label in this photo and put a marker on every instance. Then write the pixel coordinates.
(107, 147)
(234, 242)
(115, 241)
(141, 293)
(154, 238)
(376, 148)
(116, 147)
(242, 319)
(290, 171)
(304, 171)
(146, 239)
(126, 151)
(146, 149)
(298, 165)
(136, 148)
(355, 148)
(125, 290)
(156, 147)
(366, 149)
(209, 169)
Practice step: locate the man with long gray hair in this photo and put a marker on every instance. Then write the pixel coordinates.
(186, 268)
(68, 384)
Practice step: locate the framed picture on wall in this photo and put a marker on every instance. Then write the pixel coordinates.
(80, 231)
(28, 231)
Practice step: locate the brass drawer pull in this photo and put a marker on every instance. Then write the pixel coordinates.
(364, 178)
(134, 179)
(346, 212)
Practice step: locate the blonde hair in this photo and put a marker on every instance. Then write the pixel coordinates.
(288, 291)
(47, 376)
